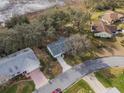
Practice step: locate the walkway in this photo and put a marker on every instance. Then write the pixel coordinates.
(67, 78)
(64, 65)
(94, 83)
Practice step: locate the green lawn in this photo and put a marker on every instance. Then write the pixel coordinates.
(23, 87)
(80, 87)
(111, 81)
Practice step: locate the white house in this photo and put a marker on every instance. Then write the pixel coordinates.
(22, 62)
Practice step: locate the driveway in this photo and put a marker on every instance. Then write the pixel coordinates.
(64, 65)
(67, 78)
(38, 77)
(94, 83)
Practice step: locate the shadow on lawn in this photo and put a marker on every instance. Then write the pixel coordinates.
(91, 66)
(103, 45)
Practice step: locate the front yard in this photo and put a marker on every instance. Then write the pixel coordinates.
(113, 77)
(20, 87)
(80, 87)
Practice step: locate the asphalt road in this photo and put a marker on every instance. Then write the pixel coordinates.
(67, 78)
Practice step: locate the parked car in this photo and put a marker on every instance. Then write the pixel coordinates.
(58, 90)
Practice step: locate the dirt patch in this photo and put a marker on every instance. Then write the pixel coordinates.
(112, 48)
(117, 71)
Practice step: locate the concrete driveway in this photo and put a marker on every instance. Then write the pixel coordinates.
(38, 77)
(94, 83)
(64, 65)
(67, 78)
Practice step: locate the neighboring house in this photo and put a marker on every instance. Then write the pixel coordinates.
(22, 62)
(100, 29)
(111, 17)
(57, 50)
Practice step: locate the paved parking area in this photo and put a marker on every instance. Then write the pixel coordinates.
(67, 78)
(38, 77)
(64, 65)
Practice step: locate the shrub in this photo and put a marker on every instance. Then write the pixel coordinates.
(17, 20)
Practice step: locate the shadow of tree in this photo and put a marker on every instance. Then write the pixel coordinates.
(108, 45)
(91, 66)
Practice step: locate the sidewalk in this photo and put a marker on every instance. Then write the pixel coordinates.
(95, 84)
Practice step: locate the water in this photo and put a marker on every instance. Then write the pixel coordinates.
(9, 8)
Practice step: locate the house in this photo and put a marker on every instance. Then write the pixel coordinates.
(111, 17)
(101, 29)
(21, 62)
(57, 49)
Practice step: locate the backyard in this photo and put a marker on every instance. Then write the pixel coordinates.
(79, 87)
(113, 77)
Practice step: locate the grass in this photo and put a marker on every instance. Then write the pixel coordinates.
(95, 16)
(11, 89)
(80, 87)
(22, 87)
(121, 26)
(77, 59)
(102, 78)
(120, 9)
(115, 80)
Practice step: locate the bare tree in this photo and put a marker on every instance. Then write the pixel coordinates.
(78, 44)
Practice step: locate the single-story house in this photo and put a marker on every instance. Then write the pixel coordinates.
(21, 62)
(110, 17)
(57, 50)
(101, 29)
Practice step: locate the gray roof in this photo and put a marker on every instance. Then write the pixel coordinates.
(57, 48)
(17, 63)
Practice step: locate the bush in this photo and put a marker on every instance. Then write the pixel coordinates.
(106, 6)
(17, 20)
(102, 7)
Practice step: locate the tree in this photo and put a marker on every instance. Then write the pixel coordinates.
(78, 43)
(60, 19)
(16, 20)
(28, 35)
(79, 19)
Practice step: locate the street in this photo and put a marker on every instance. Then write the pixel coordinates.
(67, 78)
